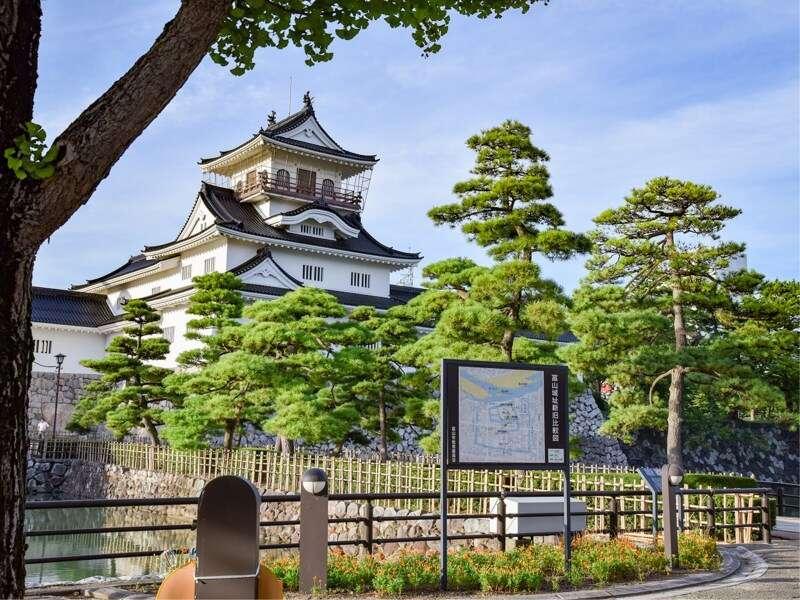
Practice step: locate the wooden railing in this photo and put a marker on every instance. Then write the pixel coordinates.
(284, 183)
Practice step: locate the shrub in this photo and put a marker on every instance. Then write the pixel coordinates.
(525, 569)
(407, 571)
(287, 569)
(695, 480)
(351, 573)
(697, 551)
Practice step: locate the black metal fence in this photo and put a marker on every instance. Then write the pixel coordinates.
(616, 521)
(787, 495)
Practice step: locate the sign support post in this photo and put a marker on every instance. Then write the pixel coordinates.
(443, 484)
(503, 416)
(567, 523)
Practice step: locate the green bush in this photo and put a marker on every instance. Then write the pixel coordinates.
(351, 573)
(695, 480)
(525, 569)
(697, 552)
(287, 569)
(407, 572)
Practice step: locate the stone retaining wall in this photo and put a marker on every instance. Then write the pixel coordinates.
(47, 476)
(94, 480)
(42, 397)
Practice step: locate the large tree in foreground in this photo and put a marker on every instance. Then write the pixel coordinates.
(40, 190)
(663, 242)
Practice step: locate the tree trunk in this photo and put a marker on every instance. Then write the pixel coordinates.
(151, 431)
(15, 365)
(676, 386)
(284, 445)
(230, 432)
(31, 211)
(507, 345)
(383, 451)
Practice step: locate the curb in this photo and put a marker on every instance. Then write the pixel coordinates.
(731, 562)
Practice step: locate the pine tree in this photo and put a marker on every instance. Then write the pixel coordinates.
(663, 241)
(389, 393)
(218, 303)
(222, 396)
(317, 357)
(505, 207)
(130, 392)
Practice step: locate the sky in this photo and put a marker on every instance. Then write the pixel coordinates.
(617, 92)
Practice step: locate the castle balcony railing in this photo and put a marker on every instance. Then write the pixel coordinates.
(281, 182)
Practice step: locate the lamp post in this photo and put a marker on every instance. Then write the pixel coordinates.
(671, 478)
(59, 363)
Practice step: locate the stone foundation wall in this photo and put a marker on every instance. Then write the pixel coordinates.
(585, 420)
(42, 397)
(48, 476)
(767, 452)
(94, 480)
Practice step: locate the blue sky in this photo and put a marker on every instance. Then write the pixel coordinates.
(617, 92)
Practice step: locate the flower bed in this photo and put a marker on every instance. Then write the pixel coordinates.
(526, 569)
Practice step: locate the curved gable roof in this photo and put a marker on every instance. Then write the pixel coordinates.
(277, 130)
(242, 216)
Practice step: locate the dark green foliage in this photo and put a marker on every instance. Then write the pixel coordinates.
(507, 311)
(654, 316)
(318, 357)
(218, 303)
(706, 480)
(505, 207)
(389, 394)
(130, 392)
(219, 398)
(313, 26)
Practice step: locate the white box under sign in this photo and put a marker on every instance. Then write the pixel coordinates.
(532, 524)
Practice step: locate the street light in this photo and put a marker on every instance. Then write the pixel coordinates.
(59, 362)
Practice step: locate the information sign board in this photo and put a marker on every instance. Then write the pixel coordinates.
(505, 415)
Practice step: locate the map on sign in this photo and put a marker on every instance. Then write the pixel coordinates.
(501, 416)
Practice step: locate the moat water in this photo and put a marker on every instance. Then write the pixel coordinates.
(101, 543)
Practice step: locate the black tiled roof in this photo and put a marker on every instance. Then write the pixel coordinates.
(243, 217)
(68, 307)
(135, 263)
(346, 298)
(565, 338)
(294, 120)
(404, 293)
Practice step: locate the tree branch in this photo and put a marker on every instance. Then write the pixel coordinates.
(94, 142)
(653, 385)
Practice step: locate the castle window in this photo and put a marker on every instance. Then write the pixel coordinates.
(327, 189)
(208, 265)
(169, 333)
(186, 272)
(359, 279)
(155, 289)
(282, 179)
(312, 273)
(250, 178)
(43, 346)
(316, 230)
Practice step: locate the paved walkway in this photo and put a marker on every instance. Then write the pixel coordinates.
(771, 572)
